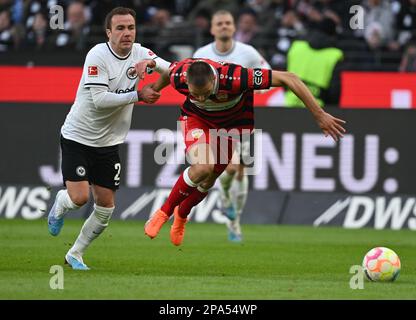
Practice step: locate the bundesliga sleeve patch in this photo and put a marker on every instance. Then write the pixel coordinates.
(92, 71)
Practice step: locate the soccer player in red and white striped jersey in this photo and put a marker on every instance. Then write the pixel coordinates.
(219, 97)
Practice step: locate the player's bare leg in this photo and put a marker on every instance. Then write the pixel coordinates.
(96, 223)
(72, 198)
(185, 186)
(182, 211)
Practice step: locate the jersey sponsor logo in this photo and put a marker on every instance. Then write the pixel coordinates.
(131, 73)
(80, 170)
(197, 133)
(124, 90)
(93, 71)
(258, 77)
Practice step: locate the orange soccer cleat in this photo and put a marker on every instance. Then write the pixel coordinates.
(155, 223)
(177, 231)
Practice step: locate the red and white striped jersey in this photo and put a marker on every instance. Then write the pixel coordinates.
(231, 104)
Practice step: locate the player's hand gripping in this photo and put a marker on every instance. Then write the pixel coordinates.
(331, 126)
(141, 66)
(148, 94)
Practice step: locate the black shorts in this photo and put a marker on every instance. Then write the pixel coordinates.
(97, 165)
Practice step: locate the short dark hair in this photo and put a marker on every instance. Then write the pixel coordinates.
(199, 73)
(118, 11)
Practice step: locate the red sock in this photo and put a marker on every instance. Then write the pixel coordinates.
(191, 201)
(180, 191)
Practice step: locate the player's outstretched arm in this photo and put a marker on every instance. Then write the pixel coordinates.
(330, 125)
(161, 82)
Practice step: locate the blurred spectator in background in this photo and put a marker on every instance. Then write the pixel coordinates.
(160, 19)
(212, 6)
(405, 24)
(408, 63)
(157, 29)
(6, 31)
(5, 4)
(37, 34)
(247, 27)
(201, 23)
(313, 12)
(100, 8)
(175, 7)
(378, 23)
(288, 29)
(76, 29)
(272, 14)
(317, 63)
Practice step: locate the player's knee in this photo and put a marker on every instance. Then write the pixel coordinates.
(207, 184)
(203, 171)
(79, 198)
(103, 214)
(232, 169)
(240, 172)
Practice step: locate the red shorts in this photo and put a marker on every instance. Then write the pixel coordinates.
(222, 142)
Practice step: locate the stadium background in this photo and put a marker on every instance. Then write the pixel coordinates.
(365, 180)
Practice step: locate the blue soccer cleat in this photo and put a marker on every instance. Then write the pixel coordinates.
(55, 224)
(75, 263)
(234, 231)
(234, 237)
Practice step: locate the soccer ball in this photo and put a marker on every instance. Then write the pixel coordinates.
(381, 264)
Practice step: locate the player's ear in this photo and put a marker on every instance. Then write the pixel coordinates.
(108, 32)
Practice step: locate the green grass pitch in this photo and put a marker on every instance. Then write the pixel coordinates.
(274, 262)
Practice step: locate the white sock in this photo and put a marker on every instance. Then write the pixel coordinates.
(63, 203)
(92, 228)
(225, 184)
(235, 225)
(239, 194)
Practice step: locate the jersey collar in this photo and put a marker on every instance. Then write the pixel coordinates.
(214, 48)
(116, 55)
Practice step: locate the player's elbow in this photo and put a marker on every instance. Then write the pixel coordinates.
(98, 99)
(284, 78)
(97, 102)
(291, 77)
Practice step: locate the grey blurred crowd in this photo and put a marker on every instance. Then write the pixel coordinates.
(175, 28)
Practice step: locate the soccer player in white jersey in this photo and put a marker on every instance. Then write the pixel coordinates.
(233, 182)
(96, 125)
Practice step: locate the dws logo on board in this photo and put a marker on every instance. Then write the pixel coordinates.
(29, 202)
(378, 212)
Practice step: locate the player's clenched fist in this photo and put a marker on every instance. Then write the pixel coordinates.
(141, 66)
